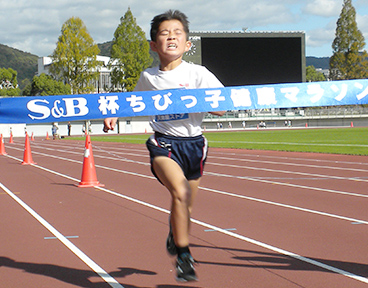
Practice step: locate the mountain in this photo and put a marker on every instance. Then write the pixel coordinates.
(105, 48)
(22, 62)
(323, 62)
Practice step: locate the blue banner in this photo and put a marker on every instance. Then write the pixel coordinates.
(47, 109)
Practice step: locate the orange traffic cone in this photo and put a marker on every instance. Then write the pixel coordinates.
(27, 157)
(351, 124)
(2, 146)
(11, 138)
(89, 177)
(47, 136)
(32, 137)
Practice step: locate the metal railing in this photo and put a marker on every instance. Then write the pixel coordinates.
(343, 111)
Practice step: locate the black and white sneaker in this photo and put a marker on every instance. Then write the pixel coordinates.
(185, 268)
(170, 243)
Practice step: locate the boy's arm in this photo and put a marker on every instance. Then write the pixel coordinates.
(110, 123)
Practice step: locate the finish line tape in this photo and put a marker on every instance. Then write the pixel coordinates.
(175, 103)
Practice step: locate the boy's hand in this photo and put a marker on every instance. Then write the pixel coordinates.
(109, 124)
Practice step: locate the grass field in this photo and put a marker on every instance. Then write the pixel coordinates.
(352, 141)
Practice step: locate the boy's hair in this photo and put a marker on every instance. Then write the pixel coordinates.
(168, 15)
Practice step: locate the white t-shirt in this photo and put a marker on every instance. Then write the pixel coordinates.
(189, 76)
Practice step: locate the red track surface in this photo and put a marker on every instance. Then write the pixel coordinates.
(289, 219)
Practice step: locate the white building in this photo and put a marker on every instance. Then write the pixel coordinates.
(125, 125)
(102, 85)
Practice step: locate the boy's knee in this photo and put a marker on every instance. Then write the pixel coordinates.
(182, 195)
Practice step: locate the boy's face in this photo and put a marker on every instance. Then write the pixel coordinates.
(171, 40)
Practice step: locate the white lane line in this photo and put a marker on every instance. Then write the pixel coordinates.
(117, 157)
(229, 233)
(222, 192)
(88, 261)
(294, 143)
(52, 238)
(284, 158)
(284, 252)
(286, 206)
(292, 164)
(286, 184)
(221, 175)
(211, 230)
(321, 176)
(127, 151)
(247, 239)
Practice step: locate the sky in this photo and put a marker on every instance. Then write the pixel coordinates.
(34, 25)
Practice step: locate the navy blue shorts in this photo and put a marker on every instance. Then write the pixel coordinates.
(189, 152)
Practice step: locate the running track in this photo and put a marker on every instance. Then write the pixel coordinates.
(261, 219)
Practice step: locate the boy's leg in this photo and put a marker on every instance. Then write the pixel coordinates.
(171, 175)
(170, 243)
(194, 184)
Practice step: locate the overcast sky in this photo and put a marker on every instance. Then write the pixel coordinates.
(34, 25)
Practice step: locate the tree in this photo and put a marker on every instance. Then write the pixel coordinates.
(74, 59)
(44, 85)
(27, 84)
(349, 60)
(313, 75)
(129, 53)
(8, 82)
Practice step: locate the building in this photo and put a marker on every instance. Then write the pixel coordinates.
(103, 84)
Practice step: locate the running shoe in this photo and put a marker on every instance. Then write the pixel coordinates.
(170, 243)
(185, 268)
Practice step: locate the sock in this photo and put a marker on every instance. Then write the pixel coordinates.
(183, 250)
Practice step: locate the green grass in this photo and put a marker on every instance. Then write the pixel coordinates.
(340, 141)
(352, 141)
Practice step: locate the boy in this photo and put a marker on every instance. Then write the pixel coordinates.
(177, 149)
